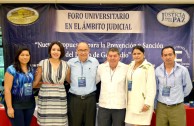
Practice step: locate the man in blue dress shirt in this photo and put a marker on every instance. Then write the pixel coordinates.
(173, 84)
(82, 95)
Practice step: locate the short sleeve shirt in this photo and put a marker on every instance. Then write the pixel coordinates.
(20, 99)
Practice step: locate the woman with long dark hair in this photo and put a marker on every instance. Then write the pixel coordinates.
(19, 98)
(52, 100)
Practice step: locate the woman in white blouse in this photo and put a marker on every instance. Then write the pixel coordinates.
(141, 86)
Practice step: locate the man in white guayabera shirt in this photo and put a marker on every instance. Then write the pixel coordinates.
(112, 101)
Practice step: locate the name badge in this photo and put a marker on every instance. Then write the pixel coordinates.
(166, 91)
(129, 85)
(27, 89)
(81, 82)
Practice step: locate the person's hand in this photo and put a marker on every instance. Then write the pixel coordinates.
(10, 112)
(145, 108)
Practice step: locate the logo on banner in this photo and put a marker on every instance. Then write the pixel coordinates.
(22, 16)
(182, 56)
(173, 17)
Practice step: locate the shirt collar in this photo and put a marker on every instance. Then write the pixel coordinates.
(77, 60)
(144, 62)
(176, 66)
(107, 64)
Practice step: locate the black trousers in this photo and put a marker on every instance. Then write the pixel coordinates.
(82, 110)
(111, 117)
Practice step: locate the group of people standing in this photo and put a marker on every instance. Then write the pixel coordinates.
(129, 93)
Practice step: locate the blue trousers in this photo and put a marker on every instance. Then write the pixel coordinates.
(22, 117)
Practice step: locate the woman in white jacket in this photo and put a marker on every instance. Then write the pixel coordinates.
(141, 86)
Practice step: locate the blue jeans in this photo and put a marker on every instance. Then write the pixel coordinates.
(22, 117)
(111, 117)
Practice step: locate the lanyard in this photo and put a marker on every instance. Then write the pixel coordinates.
(166, 78)
(28, 78)
(82, 70)
(132, 72)
(112, 73)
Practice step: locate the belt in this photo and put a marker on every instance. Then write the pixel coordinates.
(170, 105)
(47, 83)
(83, 96)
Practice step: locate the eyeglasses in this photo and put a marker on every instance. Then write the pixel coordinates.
(83, 51)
